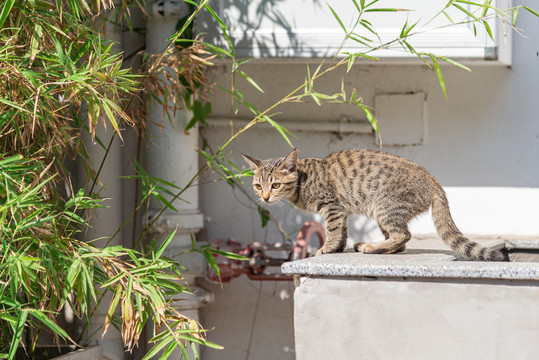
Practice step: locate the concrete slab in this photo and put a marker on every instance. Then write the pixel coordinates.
(414, 262)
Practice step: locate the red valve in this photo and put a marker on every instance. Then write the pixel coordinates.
(259, 260)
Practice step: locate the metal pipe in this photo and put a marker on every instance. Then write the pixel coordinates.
(332, 126)
(171, 156)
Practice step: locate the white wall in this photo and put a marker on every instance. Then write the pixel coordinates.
(482, 144)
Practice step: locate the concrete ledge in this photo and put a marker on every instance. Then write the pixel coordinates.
(421, 304)
(522, 243)
(414, 263)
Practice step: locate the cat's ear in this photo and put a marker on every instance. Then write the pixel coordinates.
(291, 161)
(253, 163)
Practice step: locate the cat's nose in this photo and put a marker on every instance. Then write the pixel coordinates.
(266, 197)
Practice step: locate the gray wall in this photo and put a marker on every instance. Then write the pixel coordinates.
(484, 137)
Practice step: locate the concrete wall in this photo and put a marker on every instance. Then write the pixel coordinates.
(482, 143)
(413, 319)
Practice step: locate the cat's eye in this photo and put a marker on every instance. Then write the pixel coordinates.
(275, 185)
(258, 186)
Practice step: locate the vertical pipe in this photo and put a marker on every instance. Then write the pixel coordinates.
(170, 156)
(106, 221)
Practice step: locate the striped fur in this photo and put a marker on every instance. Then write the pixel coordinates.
(383, 186)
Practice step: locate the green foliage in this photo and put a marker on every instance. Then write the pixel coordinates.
(53, 84)
(43, 268)
(43, 85)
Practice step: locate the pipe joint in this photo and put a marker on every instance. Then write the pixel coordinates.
(169, 9)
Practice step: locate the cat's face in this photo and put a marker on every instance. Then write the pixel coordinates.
(274, 179)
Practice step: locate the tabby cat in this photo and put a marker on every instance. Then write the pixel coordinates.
(377, 184)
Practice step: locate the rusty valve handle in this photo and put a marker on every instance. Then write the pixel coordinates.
(259, 259)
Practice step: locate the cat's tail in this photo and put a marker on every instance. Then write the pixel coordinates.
(452, 236)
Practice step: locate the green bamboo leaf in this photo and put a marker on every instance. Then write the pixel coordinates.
(107, 106)
(457, 64)
(14, 105)
(361, 39)
(465, 11)
(200, 341)
(487, 28)
(59, 50)
(215, 16)
(194, 350)
(74, 217)
(367, 25)
(6, 9)
(228, 41)
(112, 307)
(448, 17)
(88, 284)
(280, 129)
(200, 113)
(83, 49)
(17, 333)
(168, 351)
(515, 15)
(211, 261)
(407, 28)
(13, 303)
(163, 181)
(351, 59)
(228, 254)
(165, 243)
(158, 347)
(318, 69)
(473, 3)
(224, 28)
(34, 42)
(72, 275)
(316, 99)
(114, 279)
(439, 74)
(487, 5)
(264, 215)
(370, 117)
(363, 56)
(251, 107)
(184, 352)
(10, 319)
(357, 5)
(385, 10)
(250, 80)
(50, 324)
(530, 10)
(164, 201)
(10, 160)
(216, 49)
(337, 17)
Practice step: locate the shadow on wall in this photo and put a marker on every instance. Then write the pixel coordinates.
(260, 26)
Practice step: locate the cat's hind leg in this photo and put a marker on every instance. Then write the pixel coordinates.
(396, 234)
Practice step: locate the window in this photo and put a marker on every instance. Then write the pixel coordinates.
(307, 28)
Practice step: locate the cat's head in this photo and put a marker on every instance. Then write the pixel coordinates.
(274, 179)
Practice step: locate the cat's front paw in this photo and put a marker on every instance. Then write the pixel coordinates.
(324, 250)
